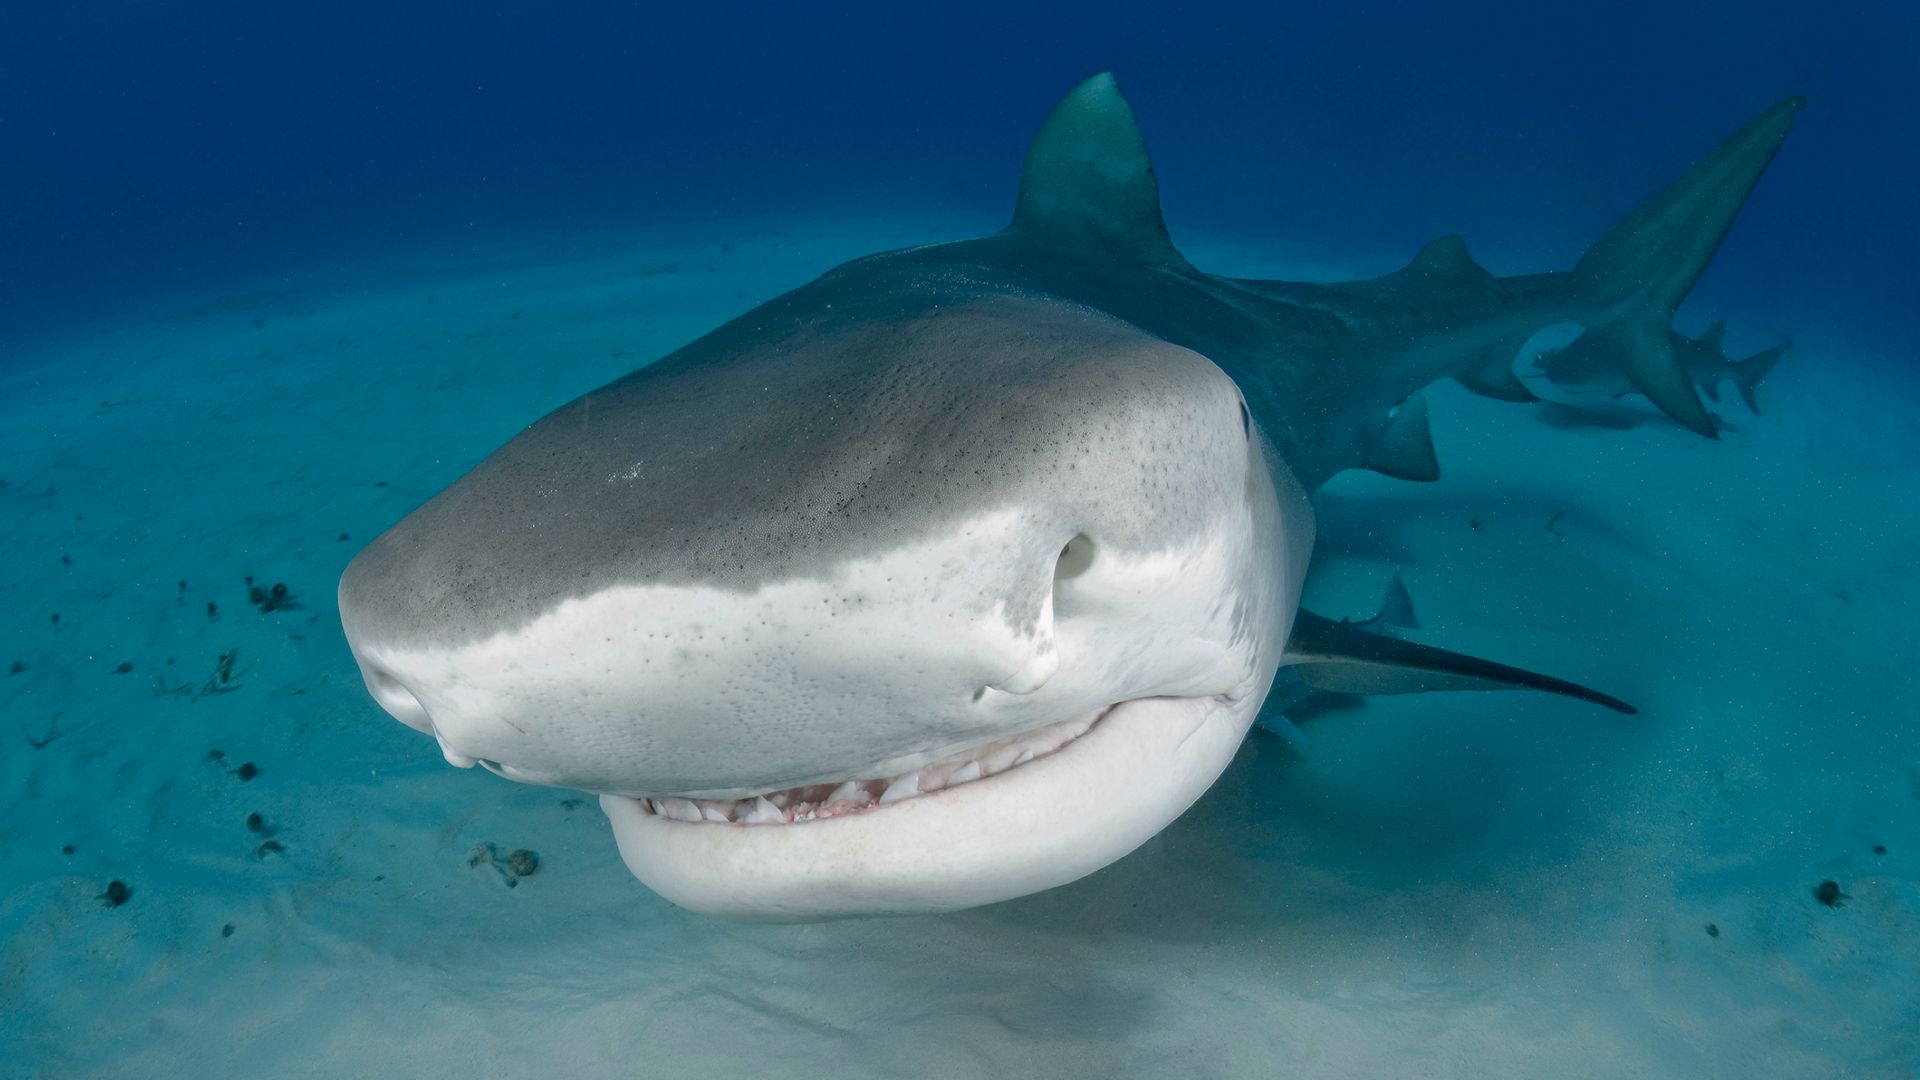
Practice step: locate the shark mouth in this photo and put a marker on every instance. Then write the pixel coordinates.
(990, 823)
(815, 802)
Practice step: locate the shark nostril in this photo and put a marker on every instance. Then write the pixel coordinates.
(394, 697)
(1042, 654)
(1074, 559)
(385, 684)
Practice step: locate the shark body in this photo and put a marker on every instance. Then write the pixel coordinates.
(1585, 371)
(961, 571)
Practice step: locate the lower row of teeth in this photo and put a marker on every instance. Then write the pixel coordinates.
(835, 800)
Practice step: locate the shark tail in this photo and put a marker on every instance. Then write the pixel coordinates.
(1637, 275)
(1746, 374)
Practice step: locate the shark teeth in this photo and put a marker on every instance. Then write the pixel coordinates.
(678, 809)
(762, 812)
(902, 787)
(813, 802)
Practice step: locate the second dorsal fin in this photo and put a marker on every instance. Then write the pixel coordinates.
(1089, 185)
(1447, 257)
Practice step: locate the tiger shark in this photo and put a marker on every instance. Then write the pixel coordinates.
(960, 572)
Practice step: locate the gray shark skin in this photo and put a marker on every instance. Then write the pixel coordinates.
(1585, 371)
(961, 571)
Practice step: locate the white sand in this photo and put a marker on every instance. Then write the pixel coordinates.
(1482, 885)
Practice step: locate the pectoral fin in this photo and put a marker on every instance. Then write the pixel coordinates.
(1343, 658)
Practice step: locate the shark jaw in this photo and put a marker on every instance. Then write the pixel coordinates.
(1038, 822)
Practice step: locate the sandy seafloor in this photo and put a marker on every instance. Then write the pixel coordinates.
(1483, 885)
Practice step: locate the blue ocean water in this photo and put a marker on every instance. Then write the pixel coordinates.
(156, 147)
(272, 277)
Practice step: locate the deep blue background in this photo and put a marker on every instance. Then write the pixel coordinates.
(153, 149)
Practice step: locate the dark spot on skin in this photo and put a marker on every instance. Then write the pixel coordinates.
(1713, 930)
(213, 610)
(1879, 849)
(124, 667)
(343, 538)
(66, 560)
(267, 848)
(16, 667)
(247, 771)
(256, 823)
(66, 849)
(216, 754)
(1828, 893)
(571, 804)
(56, 620)
(522, 862)
(227, 930)
(118, 892)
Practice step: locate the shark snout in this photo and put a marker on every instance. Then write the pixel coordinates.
(653, 687)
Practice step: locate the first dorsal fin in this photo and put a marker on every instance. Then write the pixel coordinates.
(1088, 183)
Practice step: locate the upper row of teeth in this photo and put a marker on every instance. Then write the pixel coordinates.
(834, 800)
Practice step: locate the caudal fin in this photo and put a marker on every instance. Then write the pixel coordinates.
(1746, 374)
(1640, 271)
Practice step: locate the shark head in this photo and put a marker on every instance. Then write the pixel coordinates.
(908, 596)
